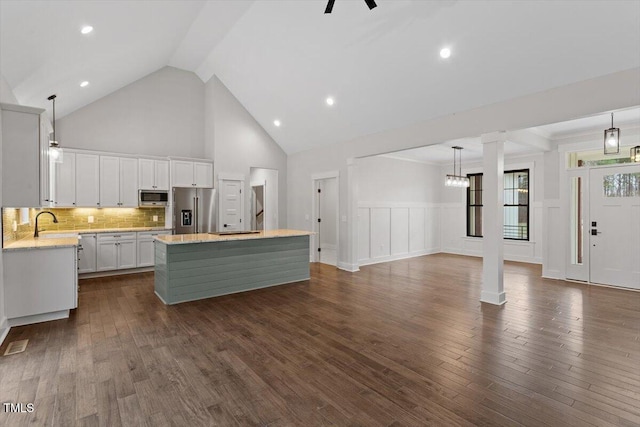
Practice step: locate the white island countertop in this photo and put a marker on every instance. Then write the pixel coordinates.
(178, 239)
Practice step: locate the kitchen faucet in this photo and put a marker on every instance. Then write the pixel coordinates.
(55, 220)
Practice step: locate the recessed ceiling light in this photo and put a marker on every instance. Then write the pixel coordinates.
(86, 29)
(277, 123)
(330, 101)
(445, 52)
(84, 84)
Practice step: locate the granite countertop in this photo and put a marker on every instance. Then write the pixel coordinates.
(179, 239)
(104, 230)
(61, 242)
(41, 243)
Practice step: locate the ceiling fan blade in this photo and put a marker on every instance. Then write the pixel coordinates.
(329, 6)
(371, 4)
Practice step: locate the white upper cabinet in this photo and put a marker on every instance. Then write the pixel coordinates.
(203, 174)
(118, 182)
(109, 181)
(153, 174)
(87, 180)
(64, 194)
(182, 173)
(22, 145)
(128, 183)
(191, 174)
(162, 175)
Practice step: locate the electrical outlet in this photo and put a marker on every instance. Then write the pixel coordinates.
(306, 217)
(90, 219)
(14, 226)
(344, 218)
(155, 218)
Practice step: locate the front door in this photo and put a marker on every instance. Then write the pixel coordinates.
(231, 205)
(614, 226)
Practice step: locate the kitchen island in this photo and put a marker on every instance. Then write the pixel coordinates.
(195, 266)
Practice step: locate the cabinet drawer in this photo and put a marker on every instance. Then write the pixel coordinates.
(116, 237)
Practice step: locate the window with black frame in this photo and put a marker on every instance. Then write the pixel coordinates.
(516, 205)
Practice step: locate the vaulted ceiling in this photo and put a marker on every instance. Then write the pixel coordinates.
(282, 59)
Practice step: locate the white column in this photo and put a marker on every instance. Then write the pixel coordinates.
(493, 218)
(352, 216)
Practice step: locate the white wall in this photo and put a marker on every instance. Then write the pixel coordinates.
(237, 143)
(268, 178)
(398, 209)
(454, 215)
(617, 90)
(161, 114)
(6, 94)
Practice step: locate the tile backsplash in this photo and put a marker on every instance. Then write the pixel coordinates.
(78, 218)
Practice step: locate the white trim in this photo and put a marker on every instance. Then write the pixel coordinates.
(366, 204)
(4, 329)
(325, 175)
(115, 272)
(228, 176)
(189, 159)
(37, 318)
(372, 261)
(352, 268)
(493, 298)
(314, 214)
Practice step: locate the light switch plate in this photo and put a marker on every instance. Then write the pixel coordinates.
(344, 218)
(90, 219)
(155, 218)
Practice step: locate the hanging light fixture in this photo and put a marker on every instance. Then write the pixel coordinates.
(457, 180)
(612, 139)
(635, 153)
(55, 151)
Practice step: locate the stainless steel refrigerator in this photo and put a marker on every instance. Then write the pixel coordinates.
(194, 210)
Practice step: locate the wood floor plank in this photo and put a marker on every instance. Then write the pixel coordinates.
(403, 343)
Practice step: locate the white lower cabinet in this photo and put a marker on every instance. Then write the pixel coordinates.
(39, 282)
(87, 253)
(146, 250)
(116, 251)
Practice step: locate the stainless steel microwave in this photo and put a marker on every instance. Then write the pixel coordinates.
(152, 198)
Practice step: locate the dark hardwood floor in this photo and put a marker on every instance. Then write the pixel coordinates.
(401, 343)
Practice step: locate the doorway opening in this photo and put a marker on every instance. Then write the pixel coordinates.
(257, 206)
(326, 220)
(263, 199)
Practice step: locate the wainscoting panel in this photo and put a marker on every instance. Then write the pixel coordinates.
(433, 229)
(364, 234)
(380, 232)
(417, 229)
(390, 231)
(554, 247)
(399, 231)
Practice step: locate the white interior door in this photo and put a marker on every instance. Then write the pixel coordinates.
(231, 205)
(614, 229)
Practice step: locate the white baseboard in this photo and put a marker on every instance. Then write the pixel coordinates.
(115, 272)
(4, 329)
(352, 268)
(399, 256)
(37, 318)
(516, 258)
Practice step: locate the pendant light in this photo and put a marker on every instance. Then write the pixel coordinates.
(635, 153)
(55, 151)
(457, 180)
(612, 139)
